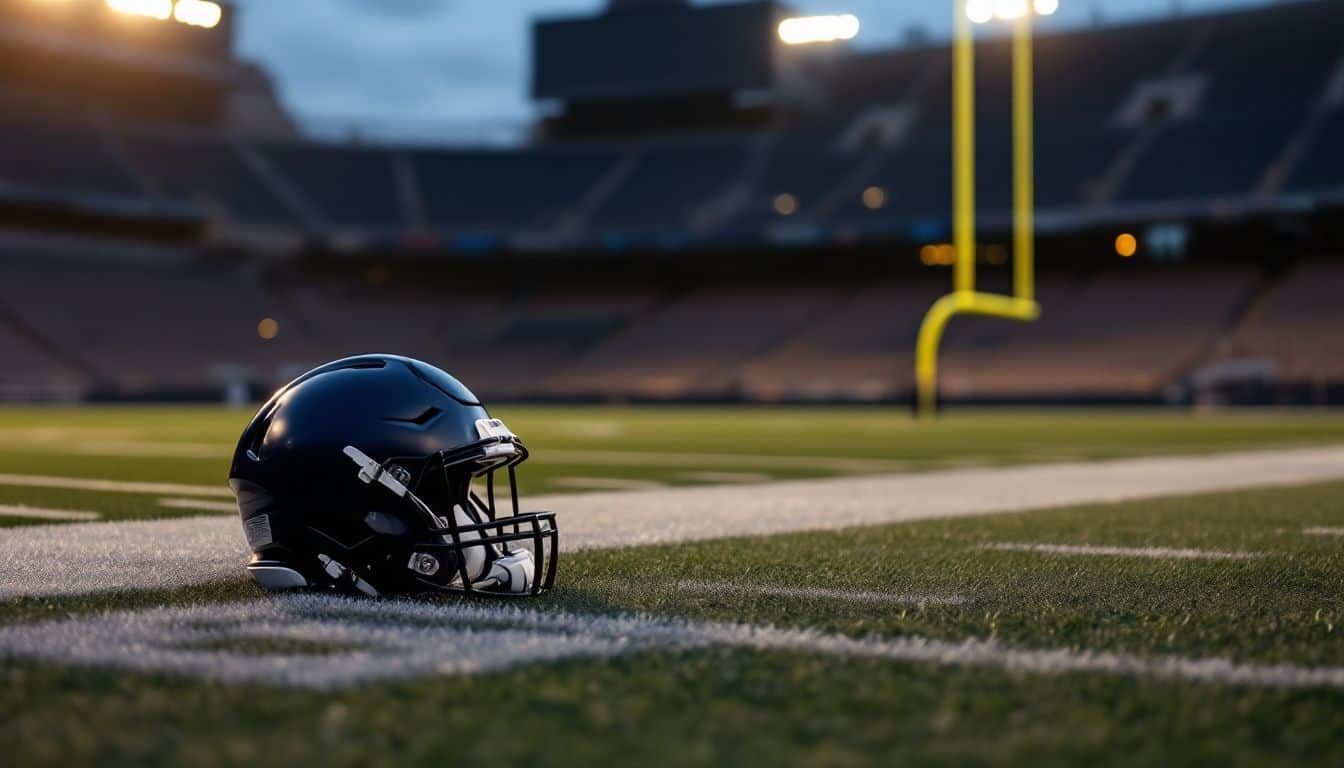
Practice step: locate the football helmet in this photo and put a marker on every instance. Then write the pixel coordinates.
(376, 474)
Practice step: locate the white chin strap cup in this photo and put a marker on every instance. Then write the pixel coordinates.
(511, 573)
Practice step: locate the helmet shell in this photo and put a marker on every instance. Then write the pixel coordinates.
(290, 463)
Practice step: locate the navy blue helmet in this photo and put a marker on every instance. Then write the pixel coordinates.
(376, 474)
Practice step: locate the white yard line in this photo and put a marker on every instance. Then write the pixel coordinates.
(688, 459)
(410, 640)
(126, 449)
(1323, 531)
(38, 513)
(79, 558)
(605, 483)
(201, 505)
(730, 589)
(725, 477)
(1154, 553)
(114, 486)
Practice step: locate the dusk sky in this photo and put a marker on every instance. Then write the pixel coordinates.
(412, 65)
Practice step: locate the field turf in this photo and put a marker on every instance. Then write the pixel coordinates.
(1260, 586)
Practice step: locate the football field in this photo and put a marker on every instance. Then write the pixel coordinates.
(737, 586)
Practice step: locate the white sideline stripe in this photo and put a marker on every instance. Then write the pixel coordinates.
(1155, 553)
(202, 505)
(37, 513)
(80, 558)
(120, 556)
(688, 459)
(129, 449)
(730, 588)
(408, 640)
(1323, 531)
(606, 483)
(725, 477)
(113, 486)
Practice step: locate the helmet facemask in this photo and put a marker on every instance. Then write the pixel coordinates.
(465, 544)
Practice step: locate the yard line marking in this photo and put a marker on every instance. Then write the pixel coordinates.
(817, 593)
(37, 513)
(129, 449)
(605, 483)
(212, 549)
(725, 477)
(1155, 553)
(1319, 531)
(113, 486)
(39, 561)
(407, 640)
(202, 505)
(689, 459)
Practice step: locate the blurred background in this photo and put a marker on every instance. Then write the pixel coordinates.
(655, 200)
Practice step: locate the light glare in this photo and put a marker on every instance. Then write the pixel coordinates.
(268, 328)
(1046, 7)
(198, 13)
(979, 11)
(818, 29)
(154, 9)
(1010, 9)
(1126, 245)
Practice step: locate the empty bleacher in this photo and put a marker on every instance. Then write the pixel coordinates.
(1298, 325)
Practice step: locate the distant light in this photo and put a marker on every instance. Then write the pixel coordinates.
(939, 254)
(198, 13)
(786, 204)
(979, 11)
(818, 29)
(1011, 9)
(1126, 245)
(154, 9)
(268, 328)
(1046, 7)
(874, 198)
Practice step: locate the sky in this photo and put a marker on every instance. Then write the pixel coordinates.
(460, 68)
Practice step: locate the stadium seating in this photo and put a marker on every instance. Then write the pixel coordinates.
(51, 156)
(1296, 326)
(210, 172)
(354, 188)
(499, 192)
(1109, 335)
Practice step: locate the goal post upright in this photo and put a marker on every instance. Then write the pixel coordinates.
(964, 299)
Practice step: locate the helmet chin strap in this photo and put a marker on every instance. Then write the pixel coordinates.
(511, 571)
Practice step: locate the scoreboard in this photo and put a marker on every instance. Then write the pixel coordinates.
(641, 50)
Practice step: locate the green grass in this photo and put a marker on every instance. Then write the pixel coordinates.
(735, 706)
(724, 707)
(667, 445)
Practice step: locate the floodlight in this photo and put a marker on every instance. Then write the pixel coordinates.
(154, 9)
(818, 29)
(198, 13)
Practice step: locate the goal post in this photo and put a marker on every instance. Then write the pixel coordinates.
(965, 299)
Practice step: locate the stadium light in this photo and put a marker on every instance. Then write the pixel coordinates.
(154, 9)
(818, 29)
(1126, 245)
(984, 11)
(198, 13)
(268, 328)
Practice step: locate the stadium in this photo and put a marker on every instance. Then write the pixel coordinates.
(969, 399)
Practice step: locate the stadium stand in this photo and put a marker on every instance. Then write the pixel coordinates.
(727, 234)
(1296, 326)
